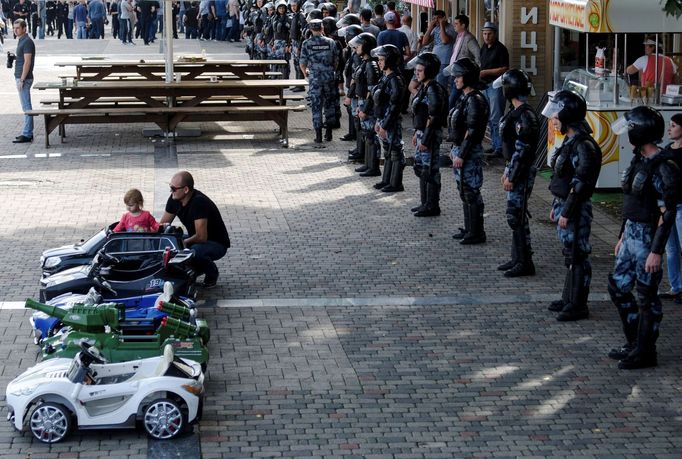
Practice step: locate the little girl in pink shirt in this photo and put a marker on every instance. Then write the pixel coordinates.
(135, 219)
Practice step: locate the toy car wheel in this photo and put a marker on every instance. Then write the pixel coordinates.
(163, 419)
(50, 422)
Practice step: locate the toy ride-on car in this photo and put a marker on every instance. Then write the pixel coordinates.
(121, 274)
(104, 326)
(164, 394)
(82, 253)
(142, 313)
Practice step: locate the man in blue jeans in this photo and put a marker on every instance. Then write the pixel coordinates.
(23, 73)
(207, 235)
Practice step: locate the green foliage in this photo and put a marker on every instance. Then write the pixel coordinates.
(672, 7)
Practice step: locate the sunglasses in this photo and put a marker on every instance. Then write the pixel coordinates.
(175, 188)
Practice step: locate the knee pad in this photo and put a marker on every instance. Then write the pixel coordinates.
(514, 217)
(647, 295)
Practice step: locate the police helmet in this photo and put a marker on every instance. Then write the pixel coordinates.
(269, 6)
(467, 69)
(281, 3)
(349, 32)
(515, 84)
(292, 2)
(366, 41)
(330, 8)
(643, 125)
(391, 55)
(431, 64)
(315, 24)
(329, 26)
(308, 7)
(569, 107)
(347, 20)
(313, 14)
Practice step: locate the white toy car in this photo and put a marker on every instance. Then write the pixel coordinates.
(165, 394)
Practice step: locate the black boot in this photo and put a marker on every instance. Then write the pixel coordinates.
(371, 159)
(361, 143)
(644, 353)
(432, 206)
(629, 318)
(352, 128)
(318, 135)
(558, 305)
(577, 308)
(422, 196)
(396, 179)
(467, 223)
(328, 134)
(476, 234)
(386, 177)
(514, 257)
(524, 265)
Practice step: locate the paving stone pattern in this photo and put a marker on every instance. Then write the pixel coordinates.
(389, 378)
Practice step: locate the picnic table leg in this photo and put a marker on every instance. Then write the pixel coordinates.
(47, 132)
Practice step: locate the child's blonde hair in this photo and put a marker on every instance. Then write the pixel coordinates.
(133, 196)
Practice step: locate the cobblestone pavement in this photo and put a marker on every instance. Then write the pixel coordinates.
(342, 326)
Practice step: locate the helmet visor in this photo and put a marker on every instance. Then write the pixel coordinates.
(412, 63)
(454, 70)
(551, 109)
(355, 42)
(497, 84)
(620, 126)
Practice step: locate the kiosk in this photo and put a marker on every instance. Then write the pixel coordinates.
(604, 87)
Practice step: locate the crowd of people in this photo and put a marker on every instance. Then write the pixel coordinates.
(451, 85)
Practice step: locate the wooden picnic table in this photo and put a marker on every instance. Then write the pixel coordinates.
(168, 104)
(96, 70)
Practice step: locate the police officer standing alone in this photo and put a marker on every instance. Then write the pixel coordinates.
(388, 95)
(466, 123)
(652, 178)
(576, 165)
(519, 130)
(428, 107)
(319, 58)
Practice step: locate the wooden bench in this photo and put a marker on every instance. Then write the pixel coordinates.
(121, 101)
(166, 118)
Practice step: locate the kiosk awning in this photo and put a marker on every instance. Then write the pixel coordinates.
(426, 3)
(614, 16)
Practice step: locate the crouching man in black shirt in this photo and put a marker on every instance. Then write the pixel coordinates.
(208, 236)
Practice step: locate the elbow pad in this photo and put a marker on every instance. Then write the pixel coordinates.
(663, 231)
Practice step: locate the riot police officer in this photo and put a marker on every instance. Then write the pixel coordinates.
(298, 25)
(520, 131)
(319, 57)
(365, 78)
(388, 94)
(329, 29)
(576, 165)
(466, 123)
(652, 178)
(353, 61)
(429, 107)
(279, 30)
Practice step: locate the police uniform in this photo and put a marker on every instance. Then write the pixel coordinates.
(576, 170)
(428, 108)
(298, 25)
(319, 55)
(467, 123)
(650, 184)
(279, 30)
(388, 94)
(520, 130)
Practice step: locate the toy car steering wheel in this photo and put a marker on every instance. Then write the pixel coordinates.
(92, 353)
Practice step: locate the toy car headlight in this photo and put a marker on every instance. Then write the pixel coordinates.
(195, 388)
(51, 262)
(24, 391)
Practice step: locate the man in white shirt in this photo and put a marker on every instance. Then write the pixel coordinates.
(412, 37)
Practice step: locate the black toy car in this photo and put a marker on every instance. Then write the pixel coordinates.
(131, 264)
